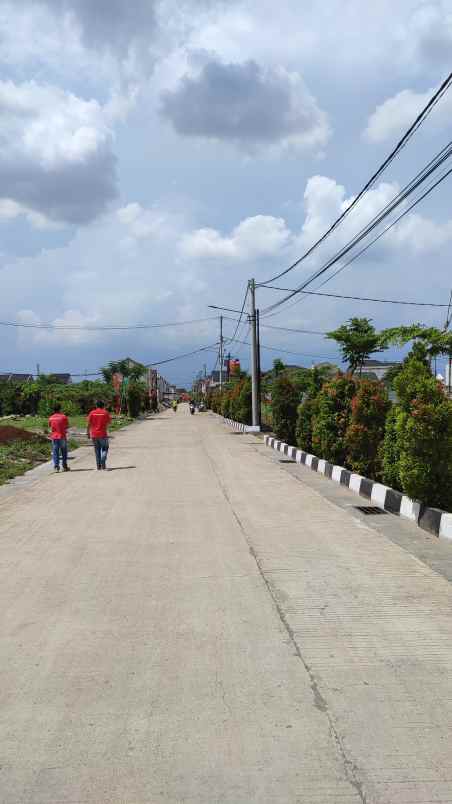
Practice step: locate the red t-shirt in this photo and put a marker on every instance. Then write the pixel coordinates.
(58, 424)
(98, 421)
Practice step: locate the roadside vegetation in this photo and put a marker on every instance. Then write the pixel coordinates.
(25, 409)
(348, 418)
(17, 457)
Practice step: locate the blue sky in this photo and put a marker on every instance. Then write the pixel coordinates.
(156, 155)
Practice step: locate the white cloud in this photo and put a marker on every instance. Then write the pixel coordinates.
(395, 115)
(260, 236)
(421, 235)
(56, 155)
(9, 210)
(392, 117)
(144, 223)
(56, 337)
(325, 200)
(248, 105)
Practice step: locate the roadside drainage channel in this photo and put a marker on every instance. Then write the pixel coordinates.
(432, 520)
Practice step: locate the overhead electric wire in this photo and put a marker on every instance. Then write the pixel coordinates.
(369, 184)
(289, 352)
(289, 329)
(106, 328)
(355, 298)
(180, 357)
(399, 199)
(240, 316)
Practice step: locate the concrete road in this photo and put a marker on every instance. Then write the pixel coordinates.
(200, 626)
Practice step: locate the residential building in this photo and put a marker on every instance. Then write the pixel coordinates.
(16, 378)
(379, 368)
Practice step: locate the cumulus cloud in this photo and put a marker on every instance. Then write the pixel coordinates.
(261, 236)
(10, 210)
(247, 105)
(56, 155)
(142, 223)
(111, 23)
(325, 200)
(32, 334)
(429, 33)
(392, 117)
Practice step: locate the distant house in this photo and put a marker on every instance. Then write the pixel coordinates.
(16, 378)
(62, 379)
(379, 368)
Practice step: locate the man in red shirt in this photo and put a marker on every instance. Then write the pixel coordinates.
(59, 424)
(97, 430)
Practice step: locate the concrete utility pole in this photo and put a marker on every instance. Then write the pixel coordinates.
(221, 352)
(254, 358)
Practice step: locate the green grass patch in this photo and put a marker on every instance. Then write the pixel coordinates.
(39, 424)
(18, 457)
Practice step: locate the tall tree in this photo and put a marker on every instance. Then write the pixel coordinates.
(357, 339)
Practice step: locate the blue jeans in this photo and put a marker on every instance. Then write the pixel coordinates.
(101, 451)
(59, 446)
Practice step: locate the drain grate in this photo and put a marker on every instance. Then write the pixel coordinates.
(370, 510)
(288, 460)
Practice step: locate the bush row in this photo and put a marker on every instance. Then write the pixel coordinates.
(40, 396)
(351, 422)
(234, 402)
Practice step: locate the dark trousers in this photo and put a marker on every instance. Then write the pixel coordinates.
(59, 448)
(101, 451)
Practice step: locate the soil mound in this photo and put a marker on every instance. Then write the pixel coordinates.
(9, 434)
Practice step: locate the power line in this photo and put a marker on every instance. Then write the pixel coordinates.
(288, 329)
(354, 298)
(147, 365)
(241, 315)
(400, 145)
(400, 198)
(289, 352)
(180, 357)
(110, 327)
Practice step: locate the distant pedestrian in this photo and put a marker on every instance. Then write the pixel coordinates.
(59, 424)
(97, 430)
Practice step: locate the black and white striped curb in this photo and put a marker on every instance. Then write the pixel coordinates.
(431, 519)
(243, 428)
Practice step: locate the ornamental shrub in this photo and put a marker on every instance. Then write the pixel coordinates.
(305, 416)
(423, 443)
(332, 418)
(390, 450)
(365, 432)
(285, 399)
(225, 405)
(243, 401)
(426, 452)
(313, 383)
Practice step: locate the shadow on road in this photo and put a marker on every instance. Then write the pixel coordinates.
(120, 468)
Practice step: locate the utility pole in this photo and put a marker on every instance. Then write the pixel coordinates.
(449, 357)
(254, 358)
(38, 369)
(221, 352)
(258, 339)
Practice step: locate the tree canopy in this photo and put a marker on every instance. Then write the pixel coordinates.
(357, 339)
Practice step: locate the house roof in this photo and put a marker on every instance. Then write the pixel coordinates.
(16, 377)
(61, 377)
(381, 363)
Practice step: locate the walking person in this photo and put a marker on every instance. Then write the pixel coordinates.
(59, 424)
(97, 430)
